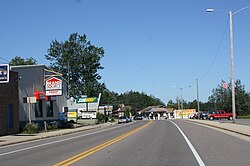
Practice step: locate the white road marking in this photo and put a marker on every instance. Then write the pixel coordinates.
(49, 143)
(196, 155)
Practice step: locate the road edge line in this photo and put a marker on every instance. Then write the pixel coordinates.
(196, 155)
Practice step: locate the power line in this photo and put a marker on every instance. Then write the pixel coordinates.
(217, 53)
(4, 60)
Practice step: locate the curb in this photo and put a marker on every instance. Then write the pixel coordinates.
(223, 128)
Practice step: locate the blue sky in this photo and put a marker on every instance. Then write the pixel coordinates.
(151, 46)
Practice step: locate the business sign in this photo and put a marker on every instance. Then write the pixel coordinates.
(53, 92)
(53, 87)
(87, 100)
(53, 83)
(179, 114)
(4, 73)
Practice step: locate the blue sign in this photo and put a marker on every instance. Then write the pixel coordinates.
(4, 73)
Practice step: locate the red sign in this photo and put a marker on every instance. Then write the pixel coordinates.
(53, 84)
(39, 95)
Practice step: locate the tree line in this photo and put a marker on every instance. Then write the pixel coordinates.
(221, 99)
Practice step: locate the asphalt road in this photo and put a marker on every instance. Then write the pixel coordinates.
(141, 143)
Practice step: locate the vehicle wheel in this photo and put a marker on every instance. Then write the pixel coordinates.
(211, 118)
(230, 118)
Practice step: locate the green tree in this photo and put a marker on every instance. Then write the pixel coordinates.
(222, 99)
(138, 101)
(79, 61)
(170, 104)
(17, 61)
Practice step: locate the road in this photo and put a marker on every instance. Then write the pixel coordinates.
(140, 143)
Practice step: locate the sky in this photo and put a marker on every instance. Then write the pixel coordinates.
(153, 46)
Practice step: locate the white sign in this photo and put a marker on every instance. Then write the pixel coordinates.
(53, 84)
(31, 99)
(4, 73)
(54, 93)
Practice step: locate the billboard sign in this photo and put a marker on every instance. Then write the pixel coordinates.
(4, 73)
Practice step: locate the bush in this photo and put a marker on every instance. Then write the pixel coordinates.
(30, 128)
(100, 118)
(112, 118)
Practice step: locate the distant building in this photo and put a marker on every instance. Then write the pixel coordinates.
(157, 112)
(121, 110)
(107, 109)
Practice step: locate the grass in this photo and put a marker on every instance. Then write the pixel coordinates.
(244, 117)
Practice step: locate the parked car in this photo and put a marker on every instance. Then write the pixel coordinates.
(138, 118)
(129, 119)
(123, 119)
(204, 115)
(220, 114)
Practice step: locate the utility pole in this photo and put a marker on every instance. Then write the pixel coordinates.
(232, 64)
(198, 102)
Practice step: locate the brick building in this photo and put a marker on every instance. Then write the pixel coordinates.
(9, 105)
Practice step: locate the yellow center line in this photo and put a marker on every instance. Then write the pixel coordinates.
(86, 153)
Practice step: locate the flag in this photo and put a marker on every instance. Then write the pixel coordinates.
(224, 84)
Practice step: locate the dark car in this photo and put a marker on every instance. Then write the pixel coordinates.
(138, 118)
(204, 115)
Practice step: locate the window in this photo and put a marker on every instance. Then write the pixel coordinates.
(39, 108)
(49, 105)
(10, 116)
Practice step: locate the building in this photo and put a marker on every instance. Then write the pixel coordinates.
(48, 102)
(157, 112)
(9, 105)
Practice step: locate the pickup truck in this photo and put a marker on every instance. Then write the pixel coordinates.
(220, 114)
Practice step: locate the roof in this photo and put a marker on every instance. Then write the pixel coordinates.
(157, 109)
(27, 66)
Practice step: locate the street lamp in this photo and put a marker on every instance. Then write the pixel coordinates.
(182, 101)
(197, 93)
(231, 54)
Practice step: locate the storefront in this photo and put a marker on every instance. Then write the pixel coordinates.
(40, 100)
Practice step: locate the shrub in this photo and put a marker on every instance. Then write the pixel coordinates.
(112, 118)
(30, 128)
(100, 118)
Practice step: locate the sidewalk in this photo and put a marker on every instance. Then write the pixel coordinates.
(236, 128)
(18, 138)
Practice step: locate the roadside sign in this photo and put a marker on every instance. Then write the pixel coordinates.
(87, 100)
(54, 93)
(53, 83)
(4, 73)
(53, 87)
